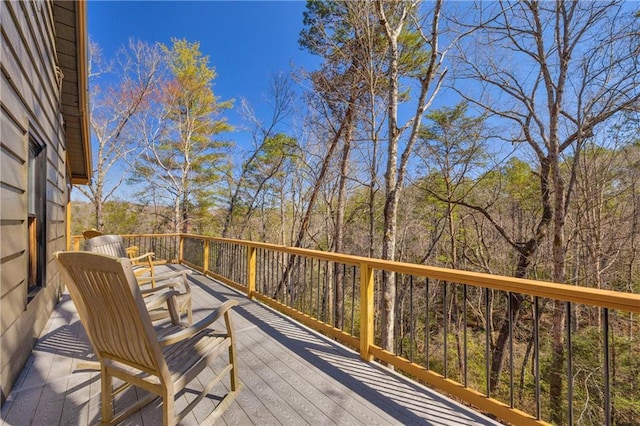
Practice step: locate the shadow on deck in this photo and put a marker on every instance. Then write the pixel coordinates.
(291, 376)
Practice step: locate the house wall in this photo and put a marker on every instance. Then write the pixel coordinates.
(30, 108)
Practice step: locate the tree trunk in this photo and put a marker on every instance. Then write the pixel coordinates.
(557, 371)
(525, 254)
(184, 213)
(304, 224)
(339, 232)
(391, 190)
(394, 175)
(99, 214)
(557, 363)
(176, 216)
(372, 202)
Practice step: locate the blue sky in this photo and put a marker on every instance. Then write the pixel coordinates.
(246, 41)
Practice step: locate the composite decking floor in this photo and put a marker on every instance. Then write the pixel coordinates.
(291, 376)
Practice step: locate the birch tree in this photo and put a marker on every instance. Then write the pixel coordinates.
(136, 73)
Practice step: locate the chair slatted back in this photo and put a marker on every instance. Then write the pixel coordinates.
(108, 297)
(112, 245)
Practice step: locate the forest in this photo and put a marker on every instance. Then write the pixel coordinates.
(498, 137)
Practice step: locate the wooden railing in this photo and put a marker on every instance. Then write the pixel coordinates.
(445, 322)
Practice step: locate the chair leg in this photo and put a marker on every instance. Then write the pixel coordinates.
(168, 414)
(233, 374)
(174, 311)
(189, 312)
(107, 400)
(152, 274)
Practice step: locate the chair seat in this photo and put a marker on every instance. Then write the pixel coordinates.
(188, 357)
(184, 359)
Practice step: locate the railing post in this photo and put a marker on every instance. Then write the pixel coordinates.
(76, 244)
(67, 230)
(205, 255)
(251, 270)
(181, 249)
(366, 311)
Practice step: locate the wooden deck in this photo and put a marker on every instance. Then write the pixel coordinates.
(291, 376)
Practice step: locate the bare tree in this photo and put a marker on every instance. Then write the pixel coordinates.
(281, 100)
(554, 71)
(136, 71)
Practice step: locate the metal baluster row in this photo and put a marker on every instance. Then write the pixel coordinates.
(454, 310)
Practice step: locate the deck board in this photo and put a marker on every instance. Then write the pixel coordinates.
(291, 376)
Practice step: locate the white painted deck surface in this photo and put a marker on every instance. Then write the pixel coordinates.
(291, 376)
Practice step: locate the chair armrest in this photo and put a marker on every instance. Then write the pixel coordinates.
(131, 251)
(165, 277)
(161, 299)
(148, 256)
(163, 287)
(188, 332)
(169, 275)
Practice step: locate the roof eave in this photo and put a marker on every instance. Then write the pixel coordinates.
(72, 43)
(83, 91)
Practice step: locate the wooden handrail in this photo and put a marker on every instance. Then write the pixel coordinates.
(628, 302)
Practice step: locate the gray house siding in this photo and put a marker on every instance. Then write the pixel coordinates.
(31, 113)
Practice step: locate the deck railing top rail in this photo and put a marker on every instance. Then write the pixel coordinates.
(629, 302)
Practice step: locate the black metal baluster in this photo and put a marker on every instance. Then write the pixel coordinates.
(237, 263)
(297, 285)
(464, 319)
(569, 365)
(536, 351)
(304, 287)
(312, 261)
(271, 282)
(353, 299)
(396, 320)
(264, 271)
(290, 279)
(318, 290)
(427, 326)
(344, 277)
(325, 283)
(445, 326)
(510, 313)
(606, 367)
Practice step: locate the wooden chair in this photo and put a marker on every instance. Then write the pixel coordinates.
(113, 313)
(113, 245)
